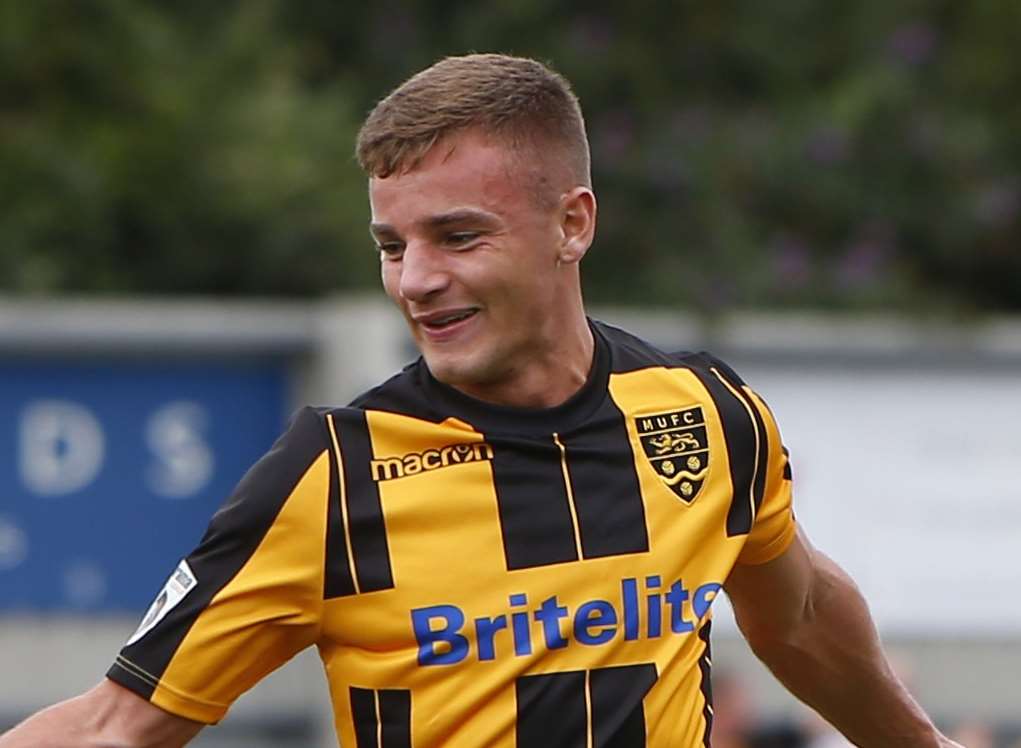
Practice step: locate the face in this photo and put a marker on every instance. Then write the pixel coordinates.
(474, 260)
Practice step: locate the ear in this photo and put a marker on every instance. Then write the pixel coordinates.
(577, 224)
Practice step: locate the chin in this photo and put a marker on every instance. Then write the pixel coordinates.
(459, 370)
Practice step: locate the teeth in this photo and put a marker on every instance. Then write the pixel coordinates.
(452, 318)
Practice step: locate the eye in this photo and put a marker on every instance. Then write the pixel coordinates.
(390, 250)
(461, 238)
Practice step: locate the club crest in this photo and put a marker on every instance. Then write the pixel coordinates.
(676, 445)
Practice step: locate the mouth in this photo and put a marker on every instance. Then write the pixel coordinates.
(442, 325)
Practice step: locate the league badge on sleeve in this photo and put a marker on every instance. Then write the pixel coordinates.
(676, 445)
(181, 582)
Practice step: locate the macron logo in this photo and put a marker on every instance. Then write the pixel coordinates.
(413, 463)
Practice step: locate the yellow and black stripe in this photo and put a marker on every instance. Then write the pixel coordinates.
(362, 522)
(480, 575)
(382, 717)
(578, 709)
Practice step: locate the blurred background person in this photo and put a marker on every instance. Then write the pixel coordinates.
(975, 734)
(734, 716)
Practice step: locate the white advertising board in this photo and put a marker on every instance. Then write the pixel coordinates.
(911, 480)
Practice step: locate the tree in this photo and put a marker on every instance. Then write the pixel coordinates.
(854, 157)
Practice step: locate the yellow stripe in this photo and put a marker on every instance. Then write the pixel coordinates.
(570, 496)
(379, 719)
(138, 672)
(343, 502)
(755, 428)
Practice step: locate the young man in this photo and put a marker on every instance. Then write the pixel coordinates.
(516, 540)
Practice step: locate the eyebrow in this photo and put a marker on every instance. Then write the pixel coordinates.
(461, 215)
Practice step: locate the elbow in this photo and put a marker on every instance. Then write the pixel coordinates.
(828, 604)
(768, 642)
(780, 644)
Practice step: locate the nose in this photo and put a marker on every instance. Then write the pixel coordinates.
(422, 272)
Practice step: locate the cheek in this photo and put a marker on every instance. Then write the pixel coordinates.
(391, 276)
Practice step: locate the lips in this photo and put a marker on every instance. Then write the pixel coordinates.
(446, 323)
(443, 326)
(439, 321)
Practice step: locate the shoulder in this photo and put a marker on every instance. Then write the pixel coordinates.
(263, 490)
(405, 393)
(628, 352)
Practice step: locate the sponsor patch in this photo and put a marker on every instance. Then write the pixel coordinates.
(181, 582)
(676, 445)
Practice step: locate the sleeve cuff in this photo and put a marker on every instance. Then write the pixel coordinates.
(125, 673)
(753, 556)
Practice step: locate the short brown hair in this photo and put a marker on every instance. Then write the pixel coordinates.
(515, 98)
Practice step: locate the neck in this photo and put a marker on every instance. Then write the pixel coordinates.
(549, 380)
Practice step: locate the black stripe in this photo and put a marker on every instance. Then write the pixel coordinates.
(762, 463)
(363, 712)
(234, 533)
(740, 438)
(535, 517)
(127, 674)
(630, 353)
(763, 454)
(337, 579)
(364, 510)
(618, 716)
(402, 393)
(395, 714)
(551, 710)
(707, 684)
(787, 474)
(604, 482)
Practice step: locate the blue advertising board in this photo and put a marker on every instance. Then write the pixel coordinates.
(111, 469)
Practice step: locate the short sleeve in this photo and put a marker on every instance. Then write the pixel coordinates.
(774, 527)
(250, 596)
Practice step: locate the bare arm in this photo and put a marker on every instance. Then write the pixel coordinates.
(806, 620)
(108, 716)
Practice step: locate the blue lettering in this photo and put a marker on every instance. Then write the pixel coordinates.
(549, 615)
(428, 638)
(519, 624)
(629, 593)
(675, 598)
(485, 630)
(593, 615)
(442, 639)
(654, 607)
(704, 597)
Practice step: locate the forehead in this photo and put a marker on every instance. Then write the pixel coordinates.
(462, 171)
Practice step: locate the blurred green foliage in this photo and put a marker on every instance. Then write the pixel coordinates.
(863, 155)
